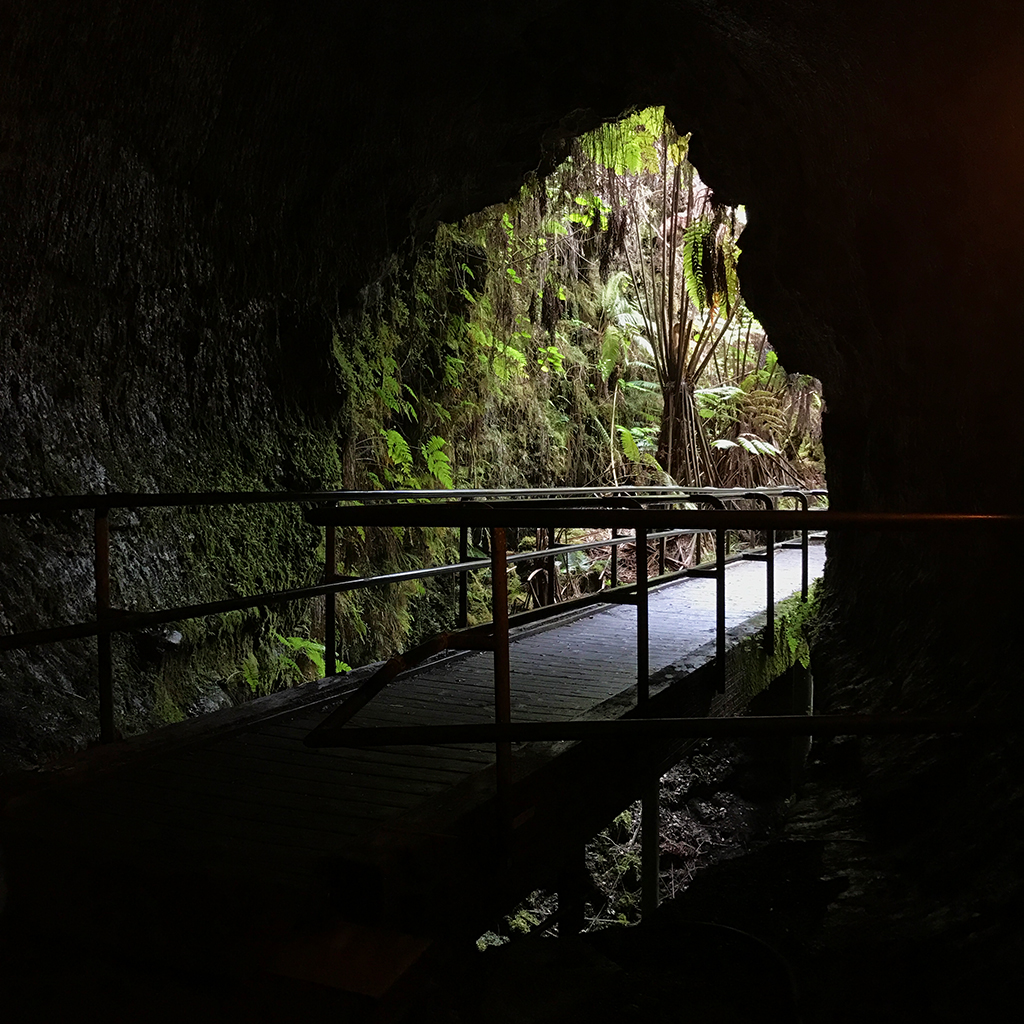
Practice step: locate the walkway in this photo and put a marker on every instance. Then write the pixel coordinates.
(251, 815)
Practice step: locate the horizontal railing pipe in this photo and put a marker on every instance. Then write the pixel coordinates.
(448, 514)
(625, 729)
(634, 511)
(127, 621)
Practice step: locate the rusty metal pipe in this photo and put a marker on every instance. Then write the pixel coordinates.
(330, 601)
(641, 729)
(502, 682)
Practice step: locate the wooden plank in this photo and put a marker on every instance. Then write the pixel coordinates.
(409, 712)
(429, 766)
(453, 755)
(420, 713)
(371, 771)
(183, 809)
(316, 776)
(274, 790)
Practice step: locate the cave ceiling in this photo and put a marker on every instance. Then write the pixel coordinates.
(270, 152)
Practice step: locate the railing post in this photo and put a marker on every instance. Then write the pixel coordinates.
(802, 498)
(330, 601)
(720, 605)
(502, 683)
(769, 563)
(803, 551)
(552, 588)
(463, 578)
(650, 834)
(643, 668)
(104, 651)
(661, 556)
(615, 559)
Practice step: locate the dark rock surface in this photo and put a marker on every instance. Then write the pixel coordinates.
(191, 195)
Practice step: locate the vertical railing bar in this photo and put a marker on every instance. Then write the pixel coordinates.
(661, 556)
(615, 559)
(330, 601)
(552, 587)
(463, 578)
(804, 559)
(769, 574)
(502, 683)
(804, 533)
(105, 660)
(643, 670)
(801, 496)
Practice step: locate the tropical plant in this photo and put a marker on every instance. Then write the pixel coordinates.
(730, 414)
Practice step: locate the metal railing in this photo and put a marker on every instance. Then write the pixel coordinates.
(546, 505)
(646, 513)
(334, 730)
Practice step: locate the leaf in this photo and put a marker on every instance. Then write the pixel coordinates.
(399, 453)
(438, 462)
(629, 445)
(695, 239)
(309, 649)
(649, 386)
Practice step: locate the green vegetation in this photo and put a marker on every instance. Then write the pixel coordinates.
(591, 330)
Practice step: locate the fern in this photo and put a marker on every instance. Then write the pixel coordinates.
(309, 649)
(628, 146)
(399, 454)
(438, 462)
(749, 443)
(695, 239)
(629, 445)
(251, 673)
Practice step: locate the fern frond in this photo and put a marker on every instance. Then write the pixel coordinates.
(695, 239)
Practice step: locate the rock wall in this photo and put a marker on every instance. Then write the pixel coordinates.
(191, 196)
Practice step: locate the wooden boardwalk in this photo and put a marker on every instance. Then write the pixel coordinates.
(206, 830)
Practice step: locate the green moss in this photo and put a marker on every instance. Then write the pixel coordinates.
(165, 708)
(756, 669)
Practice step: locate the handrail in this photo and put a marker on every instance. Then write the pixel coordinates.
(407, 507)
(644, 515)
(333, 731)
(470, 514)
(635, 728)
(131, 499)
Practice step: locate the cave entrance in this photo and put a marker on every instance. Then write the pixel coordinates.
(593, 330)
